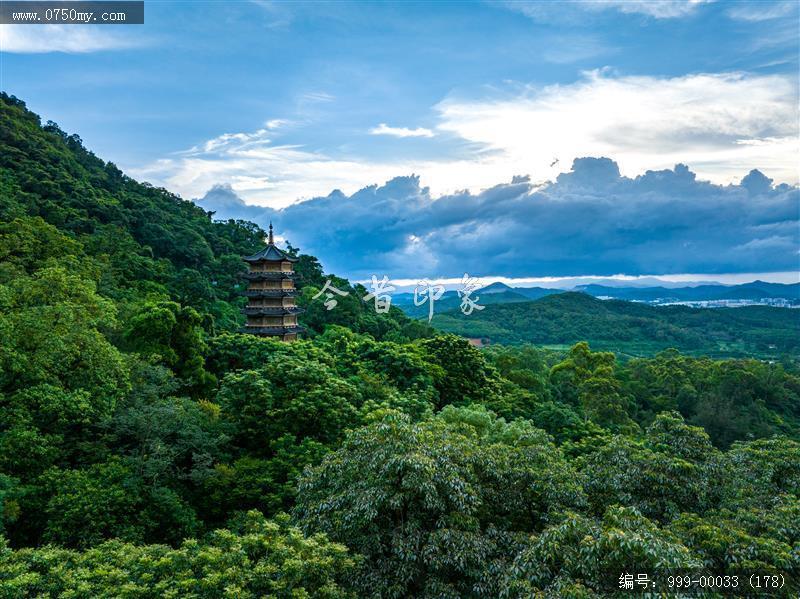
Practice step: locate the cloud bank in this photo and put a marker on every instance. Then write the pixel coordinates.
(591, 219)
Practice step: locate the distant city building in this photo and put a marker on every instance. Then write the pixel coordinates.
(271, 310)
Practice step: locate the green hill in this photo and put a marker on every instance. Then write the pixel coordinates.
(450, 301)
(62, 205)
(633, 328)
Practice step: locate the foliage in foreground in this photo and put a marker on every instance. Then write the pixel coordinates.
(256, 558)
(468, 505)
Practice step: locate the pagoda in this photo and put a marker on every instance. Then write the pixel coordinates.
(271, 310)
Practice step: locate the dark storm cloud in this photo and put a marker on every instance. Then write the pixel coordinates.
(591, 220)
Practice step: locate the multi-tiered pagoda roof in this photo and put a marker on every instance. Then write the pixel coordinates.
(271, 310)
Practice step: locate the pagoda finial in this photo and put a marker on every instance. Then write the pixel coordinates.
(271, 241)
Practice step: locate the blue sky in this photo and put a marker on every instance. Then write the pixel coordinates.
(269, 104)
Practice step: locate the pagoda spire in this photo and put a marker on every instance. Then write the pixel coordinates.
(271, 240)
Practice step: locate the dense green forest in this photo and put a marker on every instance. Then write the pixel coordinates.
(149, 450)
(633, 328)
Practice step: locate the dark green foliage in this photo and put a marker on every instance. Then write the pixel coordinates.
(140, 238)
(652, 476)
(173, 335)
(730, 399)
(288, 395)
(111, 501)
(580, 557)
(466, 377)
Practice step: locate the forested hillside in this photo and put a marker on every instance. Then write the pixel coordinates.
(633, 328)
(149, 450)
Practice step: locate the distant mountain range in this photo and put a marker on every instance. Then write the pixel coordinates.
(562, 319)
(757, 290)
(500, 293)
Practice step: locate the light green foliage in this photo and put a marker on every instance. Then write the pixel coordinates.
(524, 366)
(29, 244)
(587, 379)
(59, 375)
(578, 366)
(51, 331)
(260, 558)
(229, 353)
(433, 505)
(288, 395)
(45, 425)
(389, 375)
(669, 434)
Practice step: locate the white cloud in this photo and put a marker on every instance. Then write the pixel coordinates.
(273, 124)
(384, 129)
(762, 11)
(721, 125)
(38, 39)
(569, 11)
(659, 9)
(277, 175)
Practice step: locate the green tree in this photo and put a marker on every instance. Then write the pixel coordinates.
(436, 506)
(466, 376)
(109, 500)
(581, 557)
(288, 396)
(658, 480)
(174, 335)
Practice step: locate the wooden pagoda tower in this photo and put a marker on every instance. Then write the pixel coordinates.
(271, 310)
